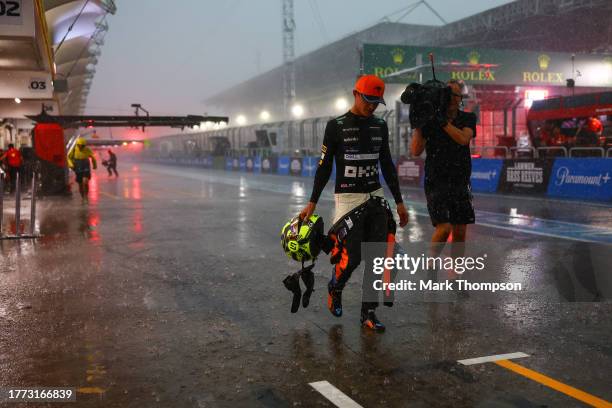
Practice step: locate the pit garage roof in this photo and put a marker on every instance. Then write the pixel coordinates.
(48, 55)
(77, 30)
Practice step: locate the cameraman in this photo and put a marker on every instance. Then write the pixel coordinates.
(448, 167)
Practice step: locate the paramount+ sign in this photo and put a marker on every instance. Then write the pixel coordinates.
(402, 64)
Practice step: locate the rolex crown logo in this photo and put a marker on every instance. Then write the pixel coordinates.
(473, 57)
(543, 61)
(398, 56)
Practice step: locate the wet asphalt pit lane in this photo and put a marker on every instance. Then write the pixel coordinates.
(168, 293)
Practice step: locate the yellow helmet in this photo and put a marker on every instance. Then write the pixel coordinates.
(81, 141)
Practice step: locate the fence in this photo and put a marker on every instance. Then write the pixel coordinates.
(34, 189)
(304, 138)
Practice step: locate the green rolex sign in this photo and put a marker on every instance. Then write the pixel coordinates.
(403, 64)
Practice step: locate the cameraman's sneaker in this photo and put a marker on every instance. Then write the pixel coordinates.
(369, 321)
(334, 300)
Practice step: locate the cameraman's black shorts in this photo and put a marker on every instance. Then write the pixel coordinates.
(450, 204)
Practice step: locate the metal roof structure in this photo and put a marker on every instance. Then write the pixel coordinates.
(580, 26)
(49, 55)
(76, 121)
(534, 25)
(77, 30)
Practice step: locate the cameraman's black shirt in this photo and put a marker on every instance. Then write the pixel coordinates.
(448, 162)
(358, 144)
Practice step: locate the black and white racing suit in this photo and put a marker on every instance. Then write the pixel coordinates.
(360, 147)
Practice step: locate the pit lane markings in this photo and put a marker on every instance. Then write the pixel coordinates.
(337, 397)
(503, 360)
(104, 193)
(488, 359)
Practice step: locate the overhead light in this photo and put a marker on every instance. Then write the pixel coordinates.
(297, 110)
(241, 120)
(534, 95)
(17, 100)
(264, 115)
(341, 104)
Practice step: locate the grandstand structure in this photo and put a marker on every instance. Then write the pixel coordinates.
(324, 75)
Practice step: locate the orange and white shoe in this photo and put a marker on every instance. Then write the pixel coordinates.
(371, 322)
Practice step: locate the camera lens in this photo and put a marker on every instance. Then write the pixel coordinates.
(409, 95)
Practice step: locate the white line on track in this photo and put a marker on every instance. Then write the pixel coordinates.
(337, 397)
(488, 359)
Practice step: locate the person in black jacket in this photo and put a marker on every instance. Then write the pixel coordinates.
(111, 163)
(358, 142)
(448, 167)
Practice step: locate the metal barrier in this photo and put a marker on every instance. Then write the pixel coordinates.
(552, 148)
(18, 234)
(584, 149)
(494, 148)
(531, 149)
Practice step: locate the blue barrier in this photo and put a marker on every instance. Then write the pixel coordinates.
(309, 166)
(589, 179)
(269, 164)
(283, 165)
(248, 166)
(486, 174)
(578, 178)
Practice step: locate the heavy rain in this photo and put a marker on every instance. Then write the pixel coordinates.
(284, 203)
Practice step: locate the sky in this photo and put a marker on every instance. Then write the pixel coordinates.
(170, 55)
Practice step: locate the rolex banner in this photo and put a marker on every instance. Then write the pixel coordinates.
(403, 64)
(525, 176)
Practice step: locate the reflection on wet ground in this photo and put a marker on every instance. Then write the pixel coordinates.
(166, 290)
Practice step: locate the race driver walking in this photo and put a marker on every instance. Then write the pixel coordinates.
(358, 141)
